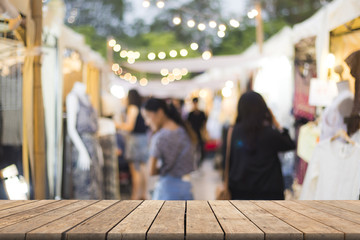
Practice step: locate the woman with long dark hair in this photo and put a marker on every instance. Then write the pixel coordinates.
(255, 169)
(136, 152)
(172, 145)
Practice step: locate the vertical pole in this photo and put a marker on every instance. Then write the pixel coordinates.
(259, 27)
(109, 52)
(38, 121)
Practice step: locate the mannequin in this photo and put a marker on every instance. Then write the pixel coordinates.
(82, 126)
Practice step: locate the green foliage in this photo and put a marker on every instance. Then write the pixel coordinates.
(96, 42)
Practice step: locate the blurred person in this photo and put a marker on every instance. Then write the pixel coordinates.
(257, 138)
(172, 147)
(179, 105)
(136, 145)
(197, 120)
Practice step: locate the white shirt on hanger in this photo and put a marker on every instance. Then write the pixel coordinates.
(333, 172)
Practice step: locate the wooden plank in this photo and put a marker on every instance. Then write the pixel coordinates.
(98, 226)
(55, 229)
(201, 222)
(234, 223)
(339, 212)
(22, 208)
(348, 205)
(273, 227)
(19, 230)
(169, 224)
(312, 229)
(24, 215)
(5, 204)
(351, 230)
(136, 225)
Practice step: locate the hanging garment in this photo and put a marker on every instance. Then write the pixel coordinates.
(309, 135)
(333, 172)
(87, 184)
(332, 120)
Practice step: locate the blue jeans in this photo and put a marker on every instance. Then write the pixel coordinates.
(172, 188)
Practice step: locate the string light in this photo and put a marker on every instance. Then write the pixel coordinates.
(127, 76)
(173, 53)
(221, 34)
(222, 27)
(160, 4)
(194, 46)
(171, 77)
(115, 67)
(151, 56)
(164, 72)
(131, 60)
(253, 13)
(112, 42)
(165, 81)
(162, 55)
(212, 24)
(176, 71)
(136, 55)
(191, 23)
(117, 48)
(201, 27)
(234, 23)
(176, 20)
(123, 54)
(143, 82)
(206, 55)
(146, 4)
(183, 52)
(184, 71)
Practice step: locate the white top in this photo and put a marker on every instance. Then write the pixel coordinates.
(333, 172)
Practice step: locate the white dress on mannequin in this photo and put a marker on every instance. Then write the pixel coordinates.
(82, 126)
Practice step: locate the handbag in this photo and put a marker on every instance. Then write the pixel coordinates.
(223, 192)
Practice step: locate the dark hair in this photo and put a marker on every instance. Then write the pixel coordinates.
(195, 100)
(154, 104)
(253, 115)
(134, 98)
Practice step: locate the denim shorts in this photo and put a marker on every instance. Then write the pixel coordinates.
(172, 188)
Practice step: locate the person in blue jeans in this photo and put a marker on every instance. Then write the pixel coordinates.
(172, 150)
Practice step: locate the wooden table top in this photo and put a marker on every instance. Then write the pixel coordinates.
(111, 219)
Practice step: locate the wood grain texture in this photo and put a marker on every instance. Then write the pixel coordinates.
(18, 231)
(55, 229)
(136, 224)
(339, 212)
(24, 215)
(312, 229)
(351, 229)
(22, 208)
(234, 223)
(169, 224)
(273, 227)
(97, 227)
(5, 204)
(348, 205)
(201, 222)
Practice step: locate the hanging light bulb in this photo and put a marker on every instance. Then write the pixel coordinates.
(112, 42)
(162, 55)
(136, 55)
(212, 24)
(151, 56)
(183, 52)
(176, 71)
(133, 80)
(253, 13)
(201, 27)
(191, 23)
(226, 92)
(115, 67)
(176, 20)
(173, 53)
(234, 23)
(222, 27)
(165, 81)
(184, 71)
(221, 34)
(164, 72)
(160, 4)
(123, 54)
(143, 82)
(194, 46)
(206, 55)
(117, 48)
(146, 3)
(229, 84)
(131, 60)
(127, 76)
